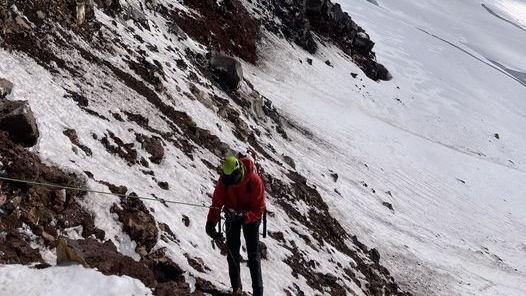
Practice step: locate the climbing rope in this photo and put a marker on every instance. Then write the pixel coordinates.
(51, 185)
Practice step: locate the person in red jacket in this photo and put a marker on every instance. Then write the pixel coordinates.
(241, 195)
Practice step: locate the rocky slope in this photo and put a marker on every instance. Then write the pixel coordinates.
(135, 67)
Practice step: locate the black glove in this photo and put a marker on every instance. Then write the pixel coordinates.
(212, 232)
(234, 217)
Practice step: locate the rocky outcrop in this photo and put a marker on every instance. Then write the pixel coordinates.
(305, 19)
(18, 120)
(328, 20)
(42, 211)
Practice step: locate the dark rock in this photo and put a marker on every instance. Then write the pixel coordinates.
(14, 249)
(288, 160)
(119, 190)
(163, 185)
(106, 258)
(382, 73)
(207, 26)
(74, 138)
(196, 263)
(263, 250)
(6, 87)
(375, 256)
(164, 269)
(277, 236)
(117, 116)
(144, 162)
(17, 118)
(186, 221)
(123, 150)
(496, 136)
(328, 63)
(388, 205)
(227, 71)
(173, 28)
(296, 26)
(173, 288)
(154, 146)
(309, 61)
(334, 177)
(354, 75)
(362, 43)
(150, 72)
(371, 68)
(137, 221)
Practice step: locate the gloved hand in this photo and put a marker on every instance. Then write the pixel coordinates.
(234, 217)
(212, 232)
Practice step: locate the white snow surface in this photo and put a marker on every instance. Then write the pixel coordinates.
(424, 142)
(66, 280)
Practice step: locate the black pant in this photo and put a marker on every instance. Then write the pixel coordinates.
(233, 240)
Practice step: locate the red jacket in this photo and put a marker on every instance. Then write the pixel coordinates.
(244, 198)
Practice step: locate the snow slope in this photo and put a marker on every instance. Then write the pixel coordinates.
(423, 142)
(426, 137)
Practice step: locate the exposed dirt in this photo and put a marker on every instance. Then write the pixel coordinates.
(227, 28)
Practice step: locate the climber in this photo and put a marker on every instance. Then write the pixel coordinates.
(240, 194)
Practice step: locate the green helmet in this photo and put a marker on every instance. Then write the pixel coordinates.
(231, 164)
(233, 171)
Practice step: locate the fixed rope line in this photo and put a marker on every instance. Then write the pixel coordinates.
(103, 192)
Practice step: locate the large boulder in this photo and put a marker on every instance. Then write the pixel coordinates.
(6, 87)
(17, 118)
(227, 71)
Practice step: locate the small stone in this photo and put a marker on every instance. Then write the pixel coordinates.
(41, 15)
(354, 75)
(47, 237)
(334, 177)
(141, 251)
(388, 205)
(164, 185)
(309, 61)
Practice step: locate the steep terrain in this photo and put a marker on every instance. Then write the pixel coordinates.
(392, 180)
(126, 102)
